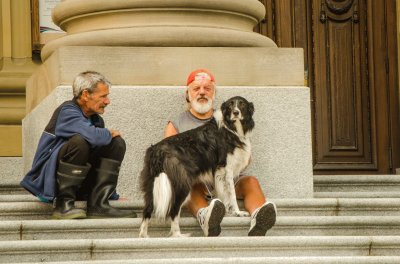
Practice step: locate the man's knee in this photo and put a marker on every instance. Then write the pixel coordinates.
(119, 144)
(116, 149)
(249, 180)
(247, 184)
(78, 141)
(77, 149)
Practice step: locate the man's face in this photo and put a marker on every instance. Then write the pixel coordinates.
(98, 100)
(201, 93)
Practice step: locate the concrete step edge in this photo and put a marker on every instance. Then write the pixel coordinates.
(231, 226)
(357, 195)
(24, 201)
(250, 260)
(196, 247)
(357, 179)
(228, 221)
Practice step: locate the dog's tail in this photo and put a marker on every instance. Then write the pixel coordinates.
(155, 185)
(162, 195)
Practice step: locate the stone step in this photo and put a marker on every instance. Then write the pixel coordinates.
(197, 247)
(247, 260)
(357, 195)
(23, 207)
(231, 226)
(12, 189)
(357, 183)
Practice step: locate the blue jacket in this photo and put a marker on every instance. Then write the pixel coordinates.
(67, 121)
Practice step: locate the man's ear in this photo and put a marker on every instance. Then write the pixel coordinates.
(187, 96)
(85, 95)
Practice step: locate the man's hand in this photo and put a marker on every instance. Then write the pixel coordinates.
(114, 133)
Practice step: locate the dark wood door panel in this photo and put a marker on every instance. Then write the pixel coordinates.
(343, 133)
(350, 55)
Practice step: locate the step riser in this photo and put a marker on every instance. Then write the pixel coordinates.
(231, 227)
(46, 215)
(39, 251)
(356, 188)
(252, 260)
(195, 232)
(28, 208)
(358, 184)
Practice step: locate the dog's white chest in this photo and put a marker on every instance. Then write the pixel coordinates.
(240, 158)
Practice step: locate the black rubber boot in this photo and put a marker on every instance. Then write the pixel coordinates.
(69, 178)
(98, 205)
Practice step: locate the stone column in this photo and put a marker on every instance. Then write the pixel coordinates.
(15, 68)
(21, 29)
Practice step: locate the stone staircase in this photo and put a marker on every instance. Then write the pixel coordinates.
(343, 224)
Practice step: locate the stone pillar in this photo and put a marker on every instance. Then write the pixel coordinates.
(16, 67)
(21, 29)
(147, 48)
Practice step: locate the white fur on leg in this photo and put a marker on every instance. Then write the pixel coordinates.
(231, 205)
(143, 228)
(175, 230)
(220, 188)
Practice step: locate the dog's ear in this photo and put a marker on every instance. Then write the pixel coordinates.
(223, 105)
(251, 108)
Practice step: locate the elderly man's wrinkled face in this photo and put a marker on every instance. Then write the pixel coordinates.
(201, 93)
(96, 101)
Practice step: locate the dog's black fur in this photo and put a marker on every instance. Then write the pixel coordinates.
(191, 157)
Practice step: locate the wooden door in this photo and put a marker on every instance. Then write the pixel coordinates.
(350, 52)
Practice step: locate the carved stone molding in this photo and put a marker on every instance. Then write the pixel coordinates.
(223, 23)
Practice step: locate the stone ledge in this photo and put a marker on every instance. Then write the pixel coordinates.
(160, 66)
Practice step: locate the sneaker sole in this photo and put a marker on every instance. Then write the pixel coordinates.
(214, 223)
(265, 220)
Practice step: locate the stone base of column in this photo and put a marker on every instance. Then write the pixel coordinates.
(148, 90)
(154, 66)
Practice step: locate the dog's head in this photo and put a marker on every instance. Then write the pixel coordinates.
(237, 111)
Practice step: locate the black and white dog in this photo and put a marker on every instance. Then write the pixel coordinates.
(214, 153)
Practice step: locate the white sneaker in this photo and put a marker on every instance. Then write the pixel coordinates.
(210, 217)
(262, 219)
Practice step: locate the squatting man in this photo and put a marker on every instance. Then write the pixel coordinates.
(77, 156)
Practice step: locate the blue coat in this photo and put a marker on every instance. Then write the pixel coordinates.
(67, 121)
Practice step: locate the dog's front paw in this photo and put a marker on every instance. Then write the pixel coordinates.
(241, 213)
(237, 213)
(179, 234)
(143, 235)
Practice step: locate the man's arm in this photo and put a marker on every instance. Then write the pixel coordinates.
(170, 130)
(71, 121)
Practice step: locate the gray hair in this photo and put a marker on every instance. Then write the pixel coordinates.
(88, 80)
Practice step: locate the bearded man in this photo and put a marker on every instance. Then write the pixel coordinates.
(200, 97)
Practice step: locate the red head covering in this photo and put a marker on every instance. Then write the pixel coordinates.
(192, 75)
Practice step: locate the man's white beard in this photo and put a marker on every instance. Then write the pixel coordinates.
(201, 108)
